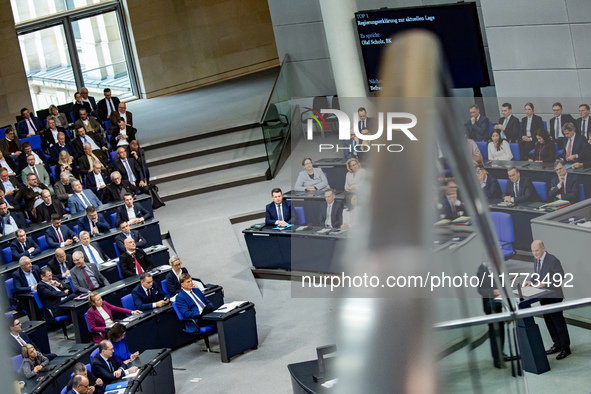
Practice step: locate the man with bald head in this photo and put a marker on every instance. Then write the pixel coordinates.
(86, 277)
(49, 207)
(134, 261)
(121, 113)
(90, 100)
(60, 265)
(548, 273)
(108, 367)
(89, 156)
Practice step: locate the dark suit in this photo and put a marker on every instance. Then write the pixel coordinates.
(140, 242)
(140, 298)
(11, 163)
(16, 348)
(349, 149)
(98, 249)
(571, 187)
(75, 109)
(55, 150)
(14, 184)
(336, 214)
(536, 124)
(21, 161)
(512, 129)
(18, 218)
(554, 321)
(496, 332)
(44, 212)
(101, 370)
(22, 127)
(79, 144)
(84, 163)
(448, 210)
(79, 280)
(189, 309)
(114, 119)
(135, 168)
(129, 132)
(479, 130)
(91, 184)
(5, 146)
(48, 140)
(30, 195)
(115, 192)
(579, 144)
(91, 382)
(564, 119)
(101, 223)
(54, 265)
(17, 249)
(579, 126)
(526, 193)
(103, 108)
(491, 187)
(127, 263)
(172, 283)
(140, 212)
(19, 280)
(52, 238)
(52, 298)
(271, 213)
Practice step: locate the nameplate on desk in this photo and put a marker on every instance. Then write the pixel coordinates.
(110, 263)
(131, 318)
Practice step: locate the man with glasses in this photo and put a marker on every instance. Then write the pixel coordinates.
(564, 186)
(18, 338)
(86, 277)
(108, 367)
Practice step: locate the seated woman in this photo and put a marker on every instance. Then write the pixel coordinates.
(498, 148)
(100, 316)
(33, 361)
(545, 150)
(350, 215)
(60, 118)
(117, 337)
(310, 179)
(67, 164)
(356, 175)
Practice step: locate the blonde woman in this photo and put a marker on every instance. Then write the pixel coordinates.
(356, 175)
(67, 164)
(60, 118)
(33, 361)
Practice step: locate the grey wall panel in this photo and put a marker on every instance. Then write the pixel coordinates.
(288, 12)
(513, 47)
(305, 41)
(375, 4)
(523, 12)
(578, 10)
(538, 83)
(585, 79)
(582, 44)
(313, 78)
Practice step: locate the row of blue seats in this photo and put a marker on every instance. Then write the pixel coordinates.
(542, 189)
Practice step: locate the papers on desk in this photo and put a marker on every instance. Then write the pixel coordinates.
(131, 375)
(529, 292)
(506, 204)
(556, 204)
(330, 383)
(284, 227)
(230, 306)
(109, 263)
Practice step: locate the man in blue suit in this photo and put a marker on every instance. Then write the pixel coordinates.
(53, 293)
(108, 367)
(61, 145)
(519, 188)
(489, 184)
(564, 186)
(10, 221)
(23, 246)
(93, 222)
(140, 242)
(574, 145)
(81, 199)
(130, 212)
(148, 295)
(97, 180)
(192, 304)
(58, 236)
(29, 126)
(477, 127)
(278, 212)
(25, 278)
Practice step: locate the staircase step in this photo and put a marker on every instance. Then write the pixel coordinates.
(206, 146)
(210, 181)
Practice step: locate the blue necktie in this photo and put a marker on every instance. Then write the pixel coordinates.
(91, 255)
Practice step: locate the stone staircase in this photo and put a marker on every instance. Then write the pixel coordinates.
(208, 161)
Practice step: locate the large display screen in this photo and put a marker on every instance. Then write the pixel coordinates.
(456, 25)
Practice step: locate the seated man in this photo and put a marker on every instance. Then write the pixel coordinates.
(53, 293)
(78, 105)
(92, 251)
(23, 246)
(451, 206)
(89, 156)
(13, 206)
(564, 186)
(148, 295)
(81, 199)
(121, 113)
(117, 188)
(9, 184)
(10, 144)
(58, 235)
(18, 338)
(489, 184)
(90, 101)
(94, 385)
(106, 366)
(60, 266)
(477, 127)
(509, 124)
(134, 261)
(519, 188)
(40, 158)
(277, 213)
(350, 149)
(37, 169)
(575, 145)
(49, 136)
(93, 222)
(331, 211)
(63, 188)
(61, 145)
(10, 221)
(29, 126)
(192, 304)
(122, 134)
(97, 180)
(25, 278)
(49, 207)
(126, 233)
(131, 212)
(173, 283)
(107, 105)
(32, 195)
(86, 277)
(92, 130)
(130, 170)
(10, 165)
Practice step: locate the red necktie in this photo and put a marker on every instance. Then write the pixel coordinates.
(138, 267)
(59, 235)
(88, 280)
